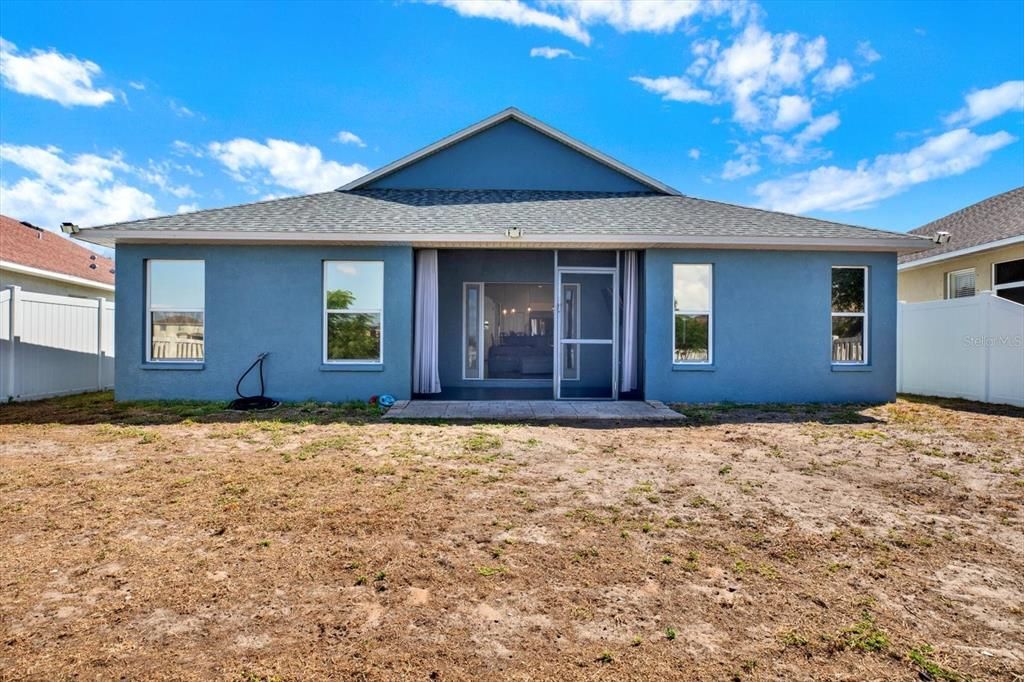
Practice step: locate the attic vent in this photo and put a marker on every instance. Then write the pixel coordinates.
(941, 237)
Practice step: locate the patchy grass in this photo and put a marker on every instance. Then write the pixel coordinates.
(922, 658)
(182, 541)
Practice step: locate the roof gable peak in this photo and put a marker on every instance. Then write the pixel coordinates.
(638, 180)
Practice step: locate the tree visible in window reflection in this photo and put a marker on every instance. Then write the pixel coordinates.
(351, 336)
(847, 290)
(340, 299)
(691, 337)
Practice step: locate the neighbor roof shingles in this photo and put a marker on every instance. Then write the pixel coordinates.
(474, 212)
(991, 220)
(38, 248)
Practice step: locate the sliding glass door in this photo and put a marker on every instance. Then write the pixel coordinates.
(507, 331)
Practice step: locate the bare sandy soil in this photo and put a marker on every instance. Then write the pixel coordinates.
(784, 543)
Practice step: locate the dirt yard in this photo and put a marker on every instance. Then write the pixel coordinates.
(181, 542)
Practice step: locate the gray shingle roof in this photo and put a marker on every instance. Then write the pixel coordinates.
(987, 221)
(380, 212)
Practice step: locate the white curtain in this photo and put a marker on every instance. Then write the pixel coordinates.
(425, 378)
(630, 320)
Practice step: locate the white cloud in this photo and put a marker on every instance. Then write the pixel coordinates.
(85, 190)
(830, 188)
(838, 77)
(793, 110)
(289, 165)
(181, 110)
(348, 137)
(743, 166)
(519, 14)
(182, 148)
(551, 52)
(984, 105)
(761, 74)
(757, 66)
(135, 85)
(694, 153)
(66, 80)
(187, 208)
(572, 17)
(674, 88)
(159, 174)
(799, 148)
(866, 52)
(654, 17)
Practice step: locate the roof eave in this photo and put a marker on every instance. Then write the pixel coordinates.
(109, 237)
(510, 113)
(966, 251)
(62, 277)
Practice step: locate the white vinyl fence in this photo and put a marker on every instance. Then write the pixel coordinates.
(962, 348)
(54, 345)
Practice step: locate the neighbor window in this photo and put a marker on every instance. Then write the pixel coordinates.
(1008, 280)
(353, 310)
(175, 304)
(960, 284)
(691, 307)
(849, 315)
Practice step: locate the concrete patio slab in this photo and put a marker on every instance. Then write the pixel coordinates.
(534, 410)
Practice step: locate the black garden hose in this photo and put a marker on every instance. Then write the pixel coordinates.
(252, 402)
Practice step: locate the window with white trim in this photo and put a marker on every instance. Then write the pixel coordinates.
(175, 310)
(691, 312)
(849, 314)
(353, 311)
(960, 284)
(1008, 280)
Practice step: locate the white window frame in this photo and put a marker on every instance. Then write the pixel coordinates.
(576, 331)
(867, 319)
(709, 312)
(370, 311)
(175, 309)
(1008, 285)
(479, 331)
(951, 290)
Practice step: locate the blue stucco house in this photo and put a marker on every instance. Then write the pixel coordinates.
(507, 260)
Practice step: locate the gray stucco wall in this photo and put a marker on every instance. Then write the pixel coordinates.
(772, 334)
(528, 160)
(772, 329)
(263, 298)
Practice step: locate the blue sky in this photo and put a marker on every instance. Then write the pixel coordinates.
(880, 114)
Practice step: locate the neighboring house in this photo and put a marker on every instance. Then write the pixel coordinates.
(56, 314)
(506, 261)
(978, 248)
(49, 263)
